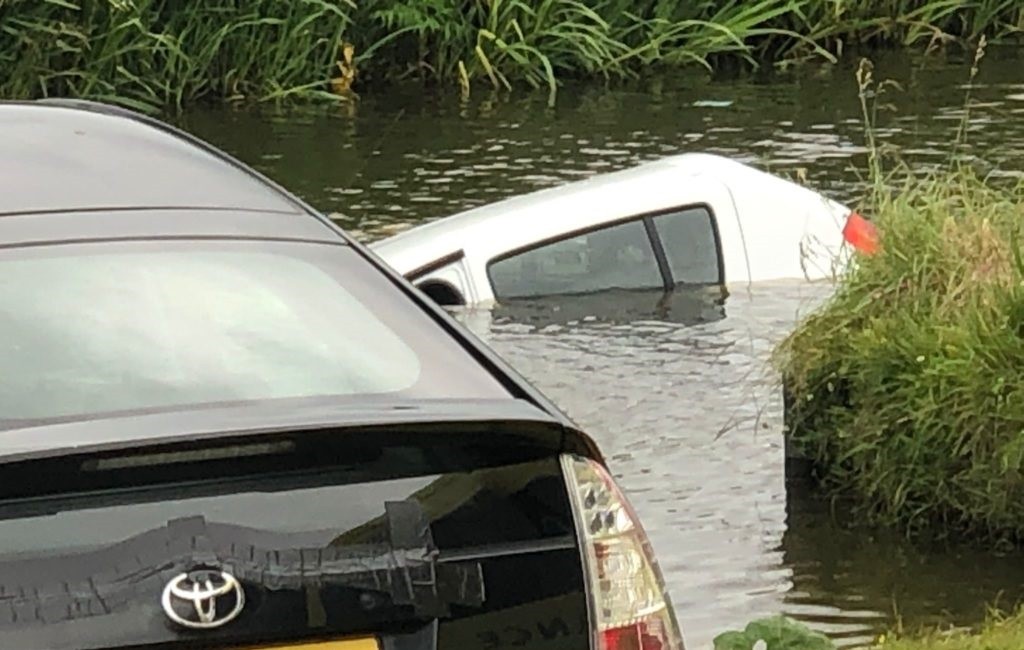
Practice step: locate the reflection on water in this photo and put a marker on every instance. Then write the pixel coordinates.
(687, 306)
(677, 391)
(848, 580)
(688, 415)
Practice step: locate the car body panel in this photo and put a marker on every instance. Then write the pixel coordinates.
(435, 527)
(54, 157)
(765, 223)
(107, 434)
(452, 271)
(458, 275)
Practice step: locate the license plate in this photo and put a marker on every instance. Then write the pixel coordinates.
(368, 643)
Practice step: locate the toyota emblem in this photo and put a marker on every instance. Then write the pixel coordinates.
(203, 599)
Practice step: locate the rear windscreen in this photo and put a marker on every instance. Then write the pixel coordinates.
(100, 328)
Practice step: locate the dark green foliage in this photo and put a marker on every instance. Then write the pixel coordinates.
(150, 53)
(153, 53)
(1000, 632)
(776, 633)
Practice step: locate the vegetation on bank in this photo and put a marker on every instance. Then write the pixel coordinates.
(153, 53)
(907, 387)
(999, 633)
(780, 633)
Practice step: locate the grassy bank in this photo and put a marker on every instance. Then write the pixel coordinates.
(908, 385)
(906, 389)
(999, 633)
(153, 53)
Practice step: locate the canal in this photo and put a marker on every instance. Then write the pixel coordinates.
(678, 393)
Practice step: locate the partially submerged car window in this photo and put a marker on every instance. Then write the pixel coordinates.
(691, 245)
(97, 328)
(616, 257)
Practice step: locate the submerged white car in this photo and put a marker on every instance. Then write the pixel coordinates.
(690, 219)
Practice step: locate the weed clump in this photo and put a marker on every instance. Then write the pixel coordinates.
(907, 388)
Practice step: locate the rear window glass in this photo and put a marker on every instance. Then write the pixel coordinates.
(103, 328)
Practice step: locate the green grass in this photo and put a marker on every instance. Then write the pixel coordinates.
(779, 633)
(908, 386)
(160, 53)
(906, 389)
(999, 633)
(842, 23)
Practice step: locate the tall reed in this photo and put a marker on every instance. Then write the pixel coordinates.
(153, 53)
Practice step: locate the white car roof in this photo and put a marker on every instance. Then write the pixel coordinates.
(670, 182)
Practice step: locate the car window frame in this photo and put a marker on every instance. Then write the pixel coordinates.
(719, 254)
(424, 270)
(647, 218)
(421, 276)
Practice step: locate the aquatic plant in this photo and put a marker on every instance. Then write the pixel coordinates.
(503, 41)
(906, 390)
(540, 41)
(834, 23)
(775, 633)
(999, 632)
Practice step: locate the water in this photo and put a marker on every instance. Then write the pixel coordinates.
(677, 393)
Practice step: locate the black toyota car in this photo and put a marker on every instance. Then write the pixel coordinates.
(225, 424)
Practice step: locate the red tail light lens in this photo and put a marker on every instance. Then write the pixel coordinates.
(861, 234)
(630, 607)
(641, 636)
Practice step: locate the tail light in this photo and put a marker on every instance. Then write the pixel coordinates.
(861, 234)
(629, 606)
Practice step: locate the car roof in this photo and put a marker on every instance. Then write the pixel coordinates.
(649, 187)
(62, 157)
(605, 197)
(515, 206)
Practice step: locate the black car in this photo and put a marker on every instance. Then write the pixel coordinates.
(226, 424)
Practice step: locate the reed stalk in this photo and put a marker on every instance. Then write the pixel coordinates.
(154, 54)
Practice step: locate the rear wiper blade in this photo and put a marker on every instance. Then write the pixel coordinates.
(402, 568)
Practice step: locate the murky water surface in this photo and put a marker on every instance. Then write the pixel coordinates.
(678, 393)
